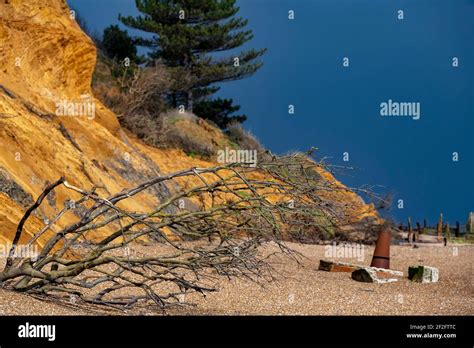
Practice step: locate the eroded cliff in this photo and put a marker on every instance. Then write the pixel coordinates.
(45, 60)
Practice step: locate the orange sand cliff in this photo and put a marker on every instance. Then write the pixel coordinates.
(46, 58)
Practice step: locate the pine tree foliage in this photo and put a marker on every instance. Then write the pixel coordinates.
(187, 34)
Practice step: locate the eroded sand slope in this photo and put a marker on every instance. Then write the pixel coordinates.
(45, 58)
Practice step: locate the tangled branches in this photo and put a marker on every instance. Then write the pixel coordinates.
(214, 227)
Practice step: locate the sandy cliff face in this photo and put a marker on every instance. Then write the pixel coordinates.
(45, 59)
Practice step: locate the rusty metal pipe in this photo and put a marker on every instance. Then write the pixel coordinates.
(381, 258)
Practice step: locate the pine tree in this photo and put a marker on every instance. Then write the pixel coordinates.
(220, 111)
(186, 33)
(117, 44)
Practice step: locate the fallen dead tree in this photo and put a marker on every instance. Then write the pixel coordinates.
(237, 208)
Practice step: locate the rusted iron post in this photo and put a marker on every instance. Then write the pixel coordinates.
(410, 231)
(439, 228)
(381, 258)
(418, 232)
